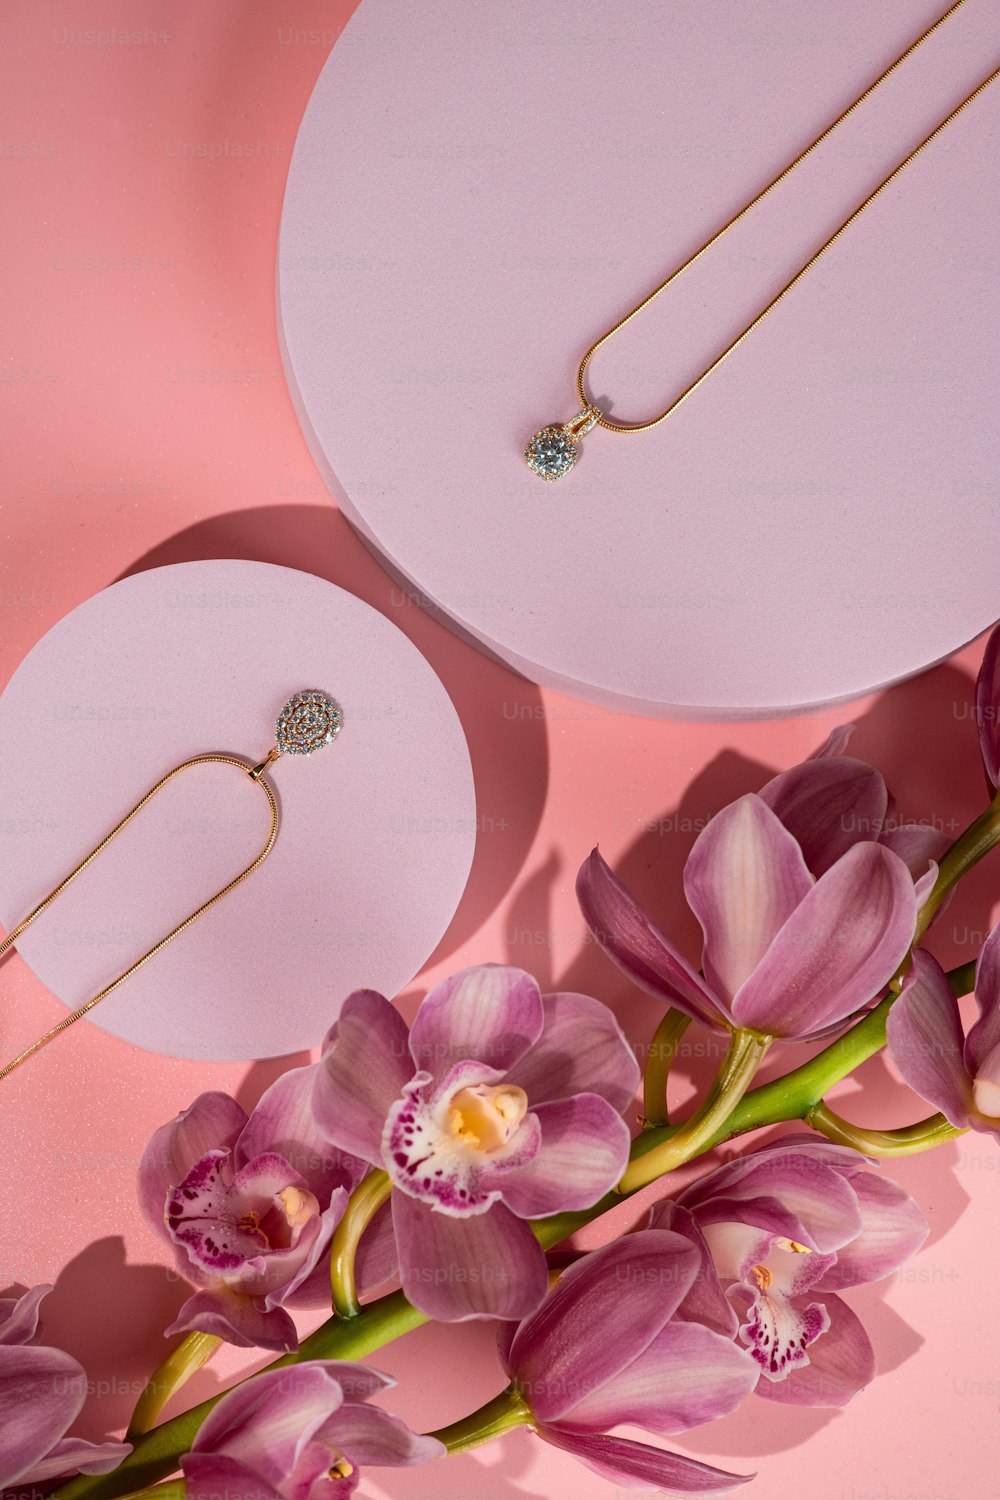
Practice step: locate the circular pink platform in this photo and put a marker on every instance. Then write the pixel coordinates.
(477, 192)
(377, 829)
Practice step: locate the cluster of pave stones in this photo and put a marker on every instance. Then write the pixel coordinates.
(308, 721)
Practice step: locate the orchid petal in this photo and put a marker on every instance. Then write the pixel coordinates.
(212, 1122)
(705, 1302)
(212, 1476)
(367, 1435)
(377, 1259)
(490, 1013)
(583, 1153)
(786, 1193)
(266, 1423)
(638, 1466)
(988, 707)
(835, 743)
(487, 1266)
(828, 803)
(893, 1229)
(919, 846)
(75, 1455)
(41, 1392)
(630, 938)
(842, 943)
(686, 1376)
(238, 1320)
(298, 1285)
(283, 1121)
(984, 1037)
(19, 1315)
(924, 1032)
(563, 1352)
(364, 1067)
(582, 1049)
(841, 1363)
(743, 879)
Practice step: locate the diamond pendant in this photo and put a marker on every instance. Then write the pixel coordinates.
(308, 721)
(554, 450)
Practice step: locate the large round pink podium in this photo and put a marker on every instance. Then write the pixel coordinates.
(477, 192)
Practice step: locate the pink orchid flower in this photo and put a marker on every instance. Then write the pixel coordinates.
(787, 1227)
(958, 1074)
(498, 1106)
(785, 953)
(619, 1340)
(42, 1392)
(248, 1205)
(301, 1433)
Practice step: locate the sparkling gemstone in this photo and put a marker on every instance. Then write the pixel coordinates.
(308, 721)
(551, 453)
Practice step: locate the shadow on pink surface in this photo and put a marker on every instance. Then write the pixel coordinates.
(510, 772)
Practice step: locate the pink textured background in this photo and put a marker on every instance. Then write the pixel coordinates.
(145, 420)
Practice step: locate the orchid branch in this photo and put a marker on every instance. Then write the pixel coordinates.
(743, 1058)
(907, 1140)
(181, 1363)
(363, 1205)
(492, 1420)
(662, 1054)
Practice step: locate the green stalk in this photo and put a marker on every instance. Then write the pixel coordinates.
(363, 1204)
(662, 1052)
(492, 1420)
(740, 1064)
(907, 1140)
(175, 1371)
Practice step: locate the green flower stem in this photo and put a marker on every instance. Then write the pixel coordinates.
(176, 1370)
(906, 1141)
(363, 1205)
(498, 1416)
(967, 850)
(744, 1057)
(662, 1052)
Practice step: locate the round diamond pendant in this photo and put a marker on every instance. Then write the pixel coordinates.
(308, 721)
(554, 450)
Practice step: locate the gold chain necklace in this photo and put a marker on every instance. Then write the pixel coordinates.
(308, 721)
(554, 450)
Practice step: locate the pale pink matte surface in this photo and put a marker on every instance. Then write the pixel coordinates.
(449, 249)
(377, 830)
(145, 420)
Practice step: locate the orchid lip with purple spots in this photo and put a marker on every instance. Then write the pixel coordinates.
(248, 1205)
(499, 1105)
